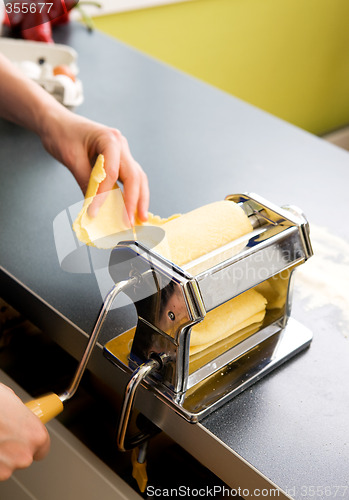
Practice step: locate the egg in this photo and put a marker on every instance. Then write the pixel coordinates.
(30, 69)
(46, 71)
(63, 69)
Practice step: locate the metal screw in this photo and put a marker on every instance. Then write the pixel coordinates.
(171, 315)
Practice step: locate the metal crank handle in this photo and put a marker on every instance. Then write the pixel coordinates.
(138, 376)
(50, 405)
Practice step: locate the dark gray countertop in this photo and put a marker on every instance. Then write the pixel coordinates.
(197, 144)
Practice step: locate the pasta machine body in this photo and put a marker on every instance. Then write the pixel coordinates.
(170, 300)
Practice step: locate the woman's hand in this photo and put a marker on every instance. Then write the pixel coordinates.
(73, 140)
(23, 438)
(76, 142)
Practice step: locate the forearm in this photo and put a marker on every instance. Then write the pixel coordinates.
(22, 101)
(73, 140)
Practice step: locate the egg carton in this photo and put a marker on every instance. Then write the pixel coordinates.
(37, 61)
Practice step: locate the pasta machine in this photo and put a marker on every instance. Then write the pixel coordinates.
(170, 300)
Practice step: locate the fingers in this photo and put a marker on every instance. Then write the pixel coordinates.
(129, 175)
(16, 454)
(40, 439)
(136, 189)
(143, 201)
(23, 438)
(111, 149)
(5, 388)
(42, 444)
(119, 164)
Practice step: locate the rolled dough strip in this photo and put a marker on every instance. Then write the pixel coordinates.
(230, 317)
(203, 230)
(211, 351)
(275, 289)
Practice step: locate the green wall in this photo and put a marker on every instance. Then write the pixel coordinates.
(289, 57)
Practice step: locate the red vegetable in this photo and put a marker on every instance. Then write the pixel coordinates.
(36, 26)
(66, 6)
(13, 19)
(39, 33)
(6, 21)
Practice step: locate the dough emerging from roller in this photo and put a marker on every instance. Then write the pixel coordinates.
(227, 319)
(275, 289)
(201, 231)
(187, 237)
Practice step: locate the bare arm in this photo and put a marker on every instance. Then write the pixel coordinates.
(21, 100)
(73, 140)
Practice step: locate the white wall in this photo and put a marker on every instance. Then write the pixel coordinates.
(110, 6)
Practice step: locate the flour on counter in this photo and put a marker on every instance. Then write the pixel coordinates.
(324, 279)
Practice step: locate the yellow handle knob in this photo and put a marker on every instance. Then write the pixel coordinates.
(139, 471)
(46, 407)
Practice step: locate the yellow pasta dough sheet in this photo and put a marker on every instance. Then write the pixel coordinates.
(275, 289)
(212, 351)
(203, 230)
(229, 318)
(111, 225)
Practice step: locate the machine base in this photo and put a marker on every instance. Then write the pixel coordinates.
(238, 374)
